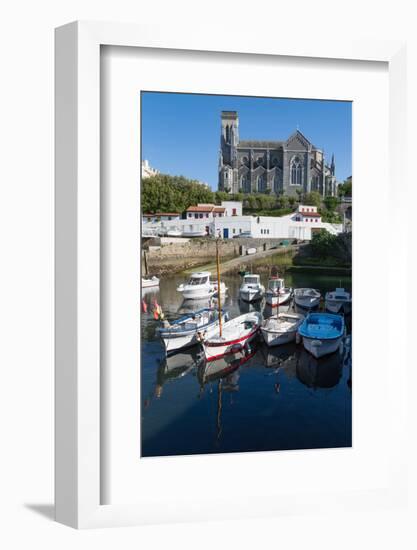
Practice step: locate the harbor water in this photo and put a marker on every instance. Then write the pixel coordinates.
(276, 398)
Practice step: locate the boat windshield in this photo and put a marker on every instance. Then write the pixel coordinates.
(251, 280)
(274, 284)
(198, 280)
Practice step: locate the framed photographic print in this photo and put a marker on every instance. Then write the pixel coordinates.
(217, 302)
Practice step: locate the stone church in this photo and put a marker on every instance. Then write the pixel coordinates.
(280, 167)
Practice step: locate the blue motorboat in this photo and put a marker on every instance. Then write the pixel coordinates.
(322, 333)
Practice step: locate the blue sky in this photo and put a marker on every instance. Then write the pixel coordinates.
(181, 132)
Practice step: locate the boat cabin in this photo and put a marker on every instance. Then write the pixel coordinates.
(200, 278)
(340, 294)
(275, 284)
(251, 279)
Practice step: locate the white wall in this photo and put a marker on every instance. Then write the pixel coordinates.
(230, 205)
(26, 218)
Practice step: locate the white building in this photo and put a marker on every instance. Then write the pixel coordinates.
(161, 217)
(269, 227)
(307, 214)
(227, 222)
(147, 171)
(208, 211)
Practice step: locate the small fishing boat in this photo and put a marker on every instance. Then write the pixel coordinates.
(232, 336)
(149, 282)
(281, 329)
(174, 233)
(307, 298)
(322, 333)
(197, 233)
(276, 292)
(338, 301)
(200, 286)
(189, 329)
(251, 288)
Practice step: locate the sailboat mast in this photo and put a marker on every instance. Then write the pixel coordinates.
(218, 288)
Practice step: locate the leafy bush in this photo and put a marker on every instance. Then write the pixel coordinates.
(324, 245)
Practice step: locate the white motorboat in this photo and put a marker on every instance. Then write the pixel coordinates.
(276, 292)
(281, 329)
(149, 282)
(200, 286)
(338, 301)
(232, 336)
(322, 333)
(307, 298)
(251, 288)
(190, 329)
(198, 233)
(174, 233)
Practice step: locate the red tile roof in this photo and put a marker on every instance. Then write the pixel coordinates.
(200, 208)
(310, 214)
(161, 214)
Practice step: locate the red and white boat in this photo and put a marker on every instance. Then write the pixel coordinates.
(232, 336)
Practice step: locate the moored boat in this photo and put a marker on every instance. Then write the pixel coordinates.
(281, 329)
(251, 288)
(338, 301)
(307, 298)
(174, 233)
(276, 292)
(200, 286)
(322, 333)
(232, 336)
(189, 330)
(149, 282)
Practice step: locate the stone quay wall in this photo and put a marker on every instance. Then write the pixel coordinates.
(173, 257)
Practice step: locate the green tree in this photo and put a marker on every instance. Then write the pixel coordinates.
(221, 196)
(283, 201)
(331, 203)
(312, 199)
(292, 201)
(345, 189)
(165, 193)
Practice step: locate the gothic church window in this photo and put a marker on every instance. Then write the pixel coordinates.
(261, 184)
(296, 171)
(245, 184)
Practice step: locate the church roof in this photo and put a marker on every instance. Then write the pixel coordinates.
(262, 144)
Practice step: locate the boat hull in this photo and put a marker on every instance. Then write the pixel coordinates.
(275, 300)
(176, 343)
(202, 292)
(307, 303)
(273, 338)
(318, 348)
(216, 351)
(251, 295)
(338, 306)
(150, 283)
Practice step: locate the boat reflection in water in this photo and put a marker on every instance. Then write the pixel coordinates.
(177, 366)
(247, 307)
(224, 371)
(281, 357)
(325, 372)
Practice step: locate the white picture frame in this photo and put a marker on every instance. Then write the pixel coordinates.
(78, 265)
